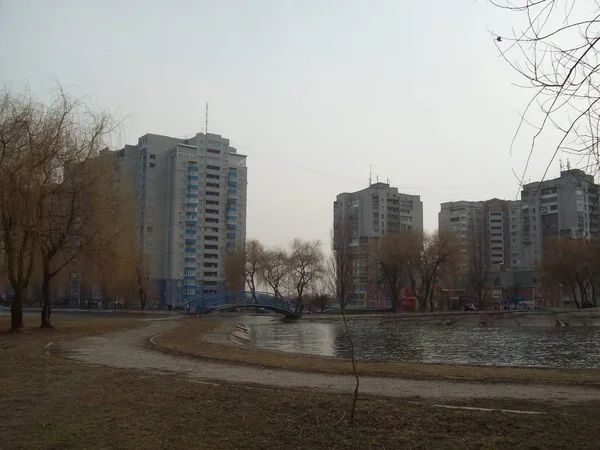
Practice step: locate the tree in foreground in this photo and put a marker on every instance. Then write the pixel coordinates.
(341, 269)
(50, 185)
(553, 46)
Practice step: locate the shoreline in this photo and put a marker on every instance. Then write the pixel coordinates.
(209, 341)
(512, 318)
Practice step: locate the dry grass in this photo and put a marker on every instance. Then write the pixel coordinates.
(54, 403)
(188, 340)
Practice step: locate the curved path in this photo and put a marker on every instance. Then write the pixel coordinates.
(129, 350)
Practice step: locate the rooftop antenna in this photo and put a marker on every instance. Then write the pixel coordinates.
(206, 122)
(378, 178)
(369, 174)
(568, 164)
(561, 164)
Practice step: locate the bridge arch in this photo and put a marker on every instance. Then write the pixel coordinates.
(206, 304)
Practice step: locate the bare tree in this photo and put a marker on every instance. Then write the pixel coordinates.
(342, 270)
(49, 152)
(234, 269)
(306, 265)
(478, 270)
(71, 215)
(341, 265)
(275, 266)
(252, 268)
(568, 262)
(555, 51)
(19, 169)
(391, 254)
(430, 255)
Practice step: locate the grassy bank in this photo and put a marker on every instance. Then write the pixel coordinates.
(188, 340)
(54, 403)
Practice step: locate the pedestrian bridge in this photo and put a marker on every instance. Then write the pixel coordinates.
(205, 304)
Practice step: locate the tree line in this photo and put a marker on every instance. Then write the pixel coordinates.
(571, 265)
(62, 209)
(298, 272)
(303, 271)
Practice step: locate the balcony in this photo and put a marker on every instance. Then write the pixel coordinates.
(191, 214)
(230, 244)
(232, 200)
(191, 195)
(191, 186)
(190, 278)
(192, 168)
(193, 177)
(232, 182)
(231, 226)
(231, 235)
(190, 240)
(232, 191)
(191, 221)
(190, 258)
(190, 231)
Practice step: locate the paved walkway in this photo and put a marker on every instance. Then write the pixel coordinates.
(129, 350)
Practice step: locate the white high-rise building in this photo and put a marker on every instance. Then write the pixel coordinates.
(369, 214)
(564, 206)
(191, 195)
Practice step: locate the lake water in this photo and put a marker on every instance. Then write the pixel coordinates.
(575, 347)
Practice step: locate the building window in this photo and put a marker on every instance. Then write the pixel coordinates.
(152, 156)
(152, 165)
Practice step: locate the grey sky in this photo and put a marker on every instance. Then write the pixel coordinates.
(414, 88)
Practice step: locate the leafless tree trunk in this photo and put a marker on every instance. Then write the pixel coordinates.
(19, 168)
(479, 272)
(343, 269)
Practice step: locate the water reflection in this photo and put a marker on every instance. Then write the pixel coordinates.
(535, 347)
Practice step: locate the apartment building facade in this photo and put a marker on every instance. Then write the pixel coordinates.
(368, 214)
(191, 199)
(492, 228)
(564, 206)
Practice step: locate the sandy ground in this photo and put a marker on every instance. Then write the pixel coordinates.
(129, 350)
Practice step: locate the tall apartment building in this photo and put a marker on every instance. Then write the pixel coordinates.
(368, 214)
(492, 225)
(191, 196)
(565, 206)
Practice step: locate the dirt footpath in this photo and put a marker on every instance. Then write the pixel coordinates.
(129, 350)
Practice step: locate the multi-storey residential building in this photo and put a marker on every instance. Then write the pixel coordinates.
(492, 227)
(191, 195)
(368, 214)
(564, 206)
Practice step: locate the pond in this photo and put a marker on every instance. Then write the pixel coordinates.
(565, 347)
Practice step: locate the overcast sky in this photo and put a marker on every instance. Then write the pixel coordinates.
(312, 91)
